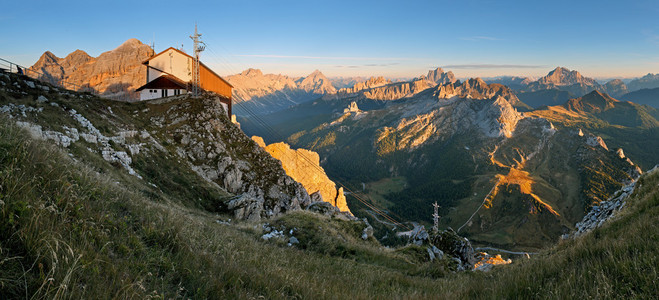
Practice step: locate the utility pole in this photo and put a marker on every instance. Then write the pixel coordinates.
(435, 217)
(195, 69)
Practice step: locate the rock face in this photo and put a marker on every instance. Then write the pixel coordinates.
(398, 90)
(438, 76)
(304, 166)
(606, 210)
(114, 73)
(372, 82)
(353, 108)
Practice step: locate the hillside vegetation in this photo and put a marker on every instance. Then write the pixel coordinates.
(84, 228)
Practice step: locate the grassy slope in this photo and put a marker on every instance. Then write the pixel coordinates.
(66, 231)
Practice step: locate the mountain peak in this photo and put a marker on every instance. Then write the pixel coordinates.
(132, 41)
(440, 77)
(562, 76)
(317, 83)
(252, 72)
(49, 54)
(47, 58)
(77, 54)
(130, 44)
(316, 73)
(594, 101)
(559, 69)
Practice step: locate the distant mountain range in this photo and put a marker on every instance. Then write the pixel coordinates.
(465, 143)
(260, 93)
(562, 84)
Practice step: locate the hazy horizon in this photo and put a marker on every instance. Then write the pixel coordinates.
(600, 39)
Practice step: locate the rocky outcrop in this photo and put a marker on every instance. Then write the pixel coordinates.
(114, 73)
(440, 77)
(372, 82)
(397, 91)
(600, 214)
(221, 153)
(304, 166)
(352, 108)
(474, 88)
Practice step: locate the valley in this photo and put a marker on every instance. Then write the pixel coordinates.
(532, 170)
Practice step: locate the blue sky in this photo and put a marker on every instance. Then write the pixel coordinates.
(355, 38)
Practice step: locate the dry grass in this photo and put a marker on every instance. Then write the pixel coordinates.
(68, 232)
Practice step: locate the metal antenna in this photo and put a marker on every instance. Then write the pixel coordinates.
(435, 218)
(195, 72)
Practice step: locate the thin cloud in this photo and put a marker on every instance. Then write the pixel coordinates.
(367, 65)
(480, 38)
(322, 57)
(381, 65)
(492, 66)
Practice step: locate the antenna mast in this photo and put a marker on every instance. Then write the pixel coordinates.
(195, 69)
(435, 217)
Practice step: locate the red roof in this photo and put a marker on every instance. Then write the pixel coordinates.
(165, 81)
(146, 62)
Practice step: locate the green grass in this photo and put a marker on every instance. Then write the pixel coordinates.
(69, 229)
(68, 232)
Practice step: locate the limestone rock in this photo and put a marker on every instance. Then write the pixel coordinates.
(457, 246)
(116, 73)
(439, 76)
(368, 230)
(352, 108)
(322, 207)
(304, 166)
(372, 82)
(601, 213)
(400, 90)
